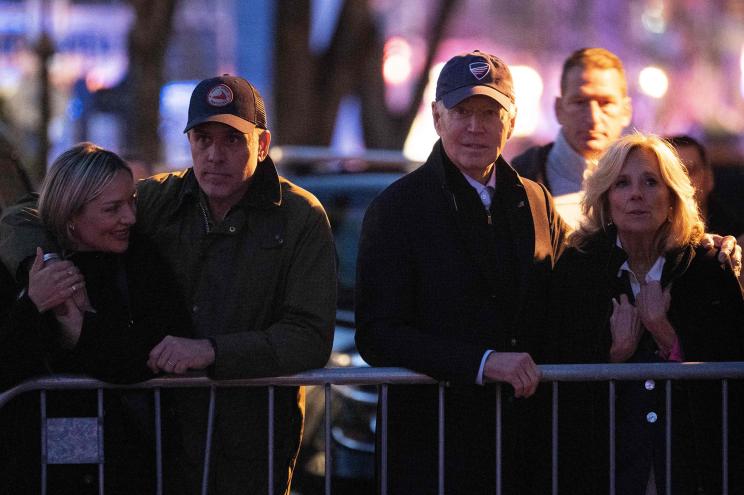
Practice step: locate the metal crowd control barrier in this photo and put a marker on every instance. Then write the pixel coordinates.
(385, 377)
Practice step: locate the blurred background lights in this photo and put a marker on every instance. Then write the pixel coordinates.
(396, 64)
(653, 81)
(528, 88)
(741, 70)
(653, 19)
(422, 135)
(105, 75)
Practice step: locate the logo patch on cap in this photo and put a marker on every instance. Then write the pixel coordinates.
(479, 69)
(220, 95)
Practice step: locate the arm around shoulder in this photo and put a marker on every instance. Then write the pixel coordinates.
(21, 232)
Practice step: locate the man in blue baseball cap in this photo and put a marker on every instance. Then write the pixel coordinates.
(453, 268)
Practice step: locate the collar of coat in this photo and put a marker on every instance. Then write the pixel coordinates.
(263, 192)
(452, 180)
(604, 244)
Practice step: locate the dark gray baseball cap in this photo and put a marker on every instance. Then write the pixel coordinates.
(227, 99)
(475, 73)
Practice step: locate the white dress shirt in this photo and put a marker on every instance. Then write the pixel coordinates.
(485, 196)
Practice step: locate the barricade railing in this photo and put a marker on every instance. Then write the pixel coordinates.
(385, 377)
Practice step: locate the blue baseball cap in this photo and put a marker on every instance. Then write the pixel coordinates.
(475, 73)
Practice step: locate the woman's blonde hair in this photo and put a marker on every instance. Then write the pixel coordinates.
(685, 225)
(75, 178)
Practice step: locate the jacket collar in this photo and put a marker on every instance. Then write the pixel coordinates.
(514, 200)
(676, 263)
(442, 167)
(263, 192)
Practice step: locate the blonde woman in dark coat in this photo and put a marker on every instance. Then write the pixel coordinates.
(634, 286)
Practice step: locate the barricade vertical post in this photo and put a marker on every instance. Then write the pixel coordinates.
(158, 444)
(440, 445)
(44, 453)
(328, 445)
(668, 435)
(271, 440)
(208, 446)
(554, 444)
(724, 439)
(498, 439)
(383, 438)
(101, 458)
(612, 435)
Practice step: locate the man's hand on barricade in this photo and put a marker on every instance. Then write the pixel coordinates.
(729, 249)
(178, 355)
(516, 368)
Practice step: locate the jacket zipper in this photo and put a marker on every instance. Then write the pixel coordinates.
(204, 216)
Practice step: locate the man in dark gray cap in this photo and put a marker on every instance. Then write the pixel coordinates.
(453, 269)
(254, 257)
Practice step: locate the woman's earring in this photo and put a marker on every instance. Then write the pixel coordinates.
(71, 226)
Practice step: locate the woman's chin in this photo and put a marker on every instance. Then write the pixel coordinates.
(120, 248)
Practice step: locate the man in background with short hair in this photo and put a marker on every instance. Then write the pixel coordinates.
(593, 109)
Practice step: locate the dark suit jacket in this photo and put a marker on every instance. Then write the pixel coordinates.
(532, 163)
(436, 287)
(707, 313)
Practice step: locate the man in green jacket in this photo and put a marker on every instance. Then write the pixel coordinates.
(254, 258)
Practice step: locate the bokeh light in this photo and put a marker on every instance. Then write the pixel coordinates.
(396, 61)
(741, 69)
(653, 81)
(528, 88)
(422, 135)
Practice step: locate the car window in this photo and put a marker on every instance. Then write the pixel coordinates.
(345, 198)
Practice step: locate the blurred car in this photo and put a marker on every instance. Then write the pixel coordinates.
(345, 186)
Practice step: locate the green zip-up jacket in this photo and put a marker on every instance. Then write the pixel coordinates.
(262, 286)
(262, 283)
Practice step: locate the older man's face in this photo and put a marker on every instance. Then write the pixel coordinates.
(594, 109)
(473, 132)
